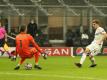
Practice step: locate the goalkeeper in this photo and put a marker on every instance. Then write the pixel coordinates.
(23, 49)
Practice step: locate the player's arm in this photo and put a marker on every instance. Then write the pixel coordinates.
(102, 32)
(35, 44)
(5, 36)
(37, 47)
(104, 36)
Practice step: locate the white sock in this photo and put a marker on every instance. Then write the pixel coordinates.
(83, 58)
(18, 64)
(14, 56)
(36, 63)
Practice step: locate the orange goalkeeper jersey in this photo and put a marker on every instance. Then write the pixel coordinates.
(23, 42)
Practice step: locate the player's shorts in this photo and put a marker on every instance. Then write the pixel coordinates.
(94, 48)
(33, 50)
(30, 55)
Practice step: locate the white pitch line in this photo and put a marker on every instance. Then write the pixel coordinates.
(53, 76)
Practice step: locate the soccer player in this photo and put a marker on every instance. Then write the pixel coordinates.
(23, 49)
(96, 45)
(3, 39)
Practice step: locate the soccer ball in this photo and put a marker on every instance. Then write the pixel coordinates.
(28, 66)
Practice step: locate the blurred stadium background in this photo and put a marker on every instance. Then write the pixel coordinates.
(61, 21)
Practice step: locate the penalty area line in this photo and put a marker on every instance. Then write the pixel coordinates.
(51, 76)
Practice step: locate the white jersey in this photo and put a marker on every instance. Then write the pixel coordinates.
(98, 36)
(96, 45)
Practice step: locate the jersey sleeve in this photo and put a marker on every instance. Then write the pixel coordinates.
(35, 44)
(101, 30)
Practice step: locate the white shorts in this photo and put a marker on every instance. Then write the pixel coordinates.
(94, 48)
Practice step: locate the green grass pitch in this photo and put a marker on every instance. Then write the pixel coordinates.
(55, 68)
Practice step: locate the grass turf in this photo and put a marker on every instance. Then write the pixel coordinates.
(55, 68)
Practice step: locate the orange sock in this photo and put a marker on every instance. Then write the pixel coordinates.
(21, 61)
(36, 57)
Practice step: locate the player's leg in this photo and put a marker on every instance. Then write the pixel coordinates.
(6, 49)
(95, 51)
(92, 59)
(1, 45)
(2, 52)
(13, 55)
(36, 57)
(82, 58)
(9, 54)
(3, 49)
(20, 63)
